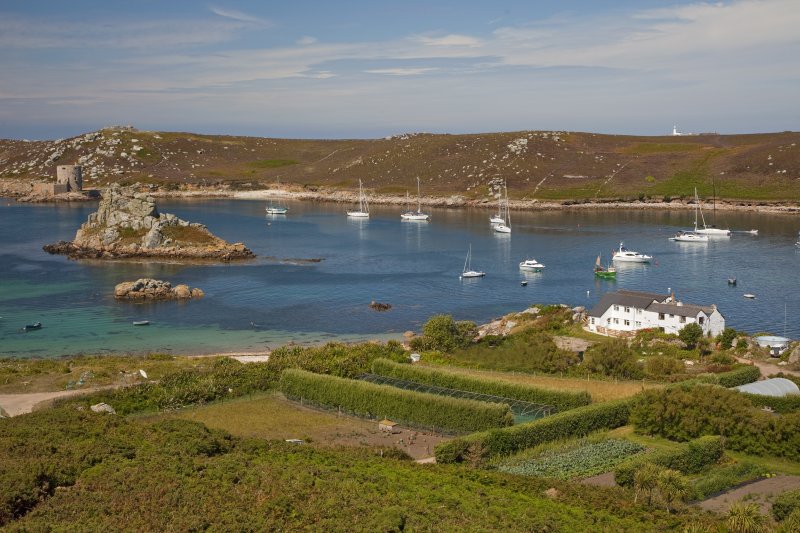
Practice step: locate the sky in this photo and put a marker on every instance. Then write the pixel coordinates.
(368, 69)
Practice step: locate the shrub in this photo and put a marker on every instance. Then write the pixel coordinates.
(740, 375)
(785, 504)
(745, 518)
(687, 458)
(443, 333)
(406, 407)
(561, 400)
(725, 339)
(723, 478)
(779, 404)
(659, 366)
(577, 422)
(530, 350)
(690, 334)
(613, 358)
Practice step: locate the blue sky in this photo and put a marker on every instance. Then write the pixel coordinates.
(362, 69)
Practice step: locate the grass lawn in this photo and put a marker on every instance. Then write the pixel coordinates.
(273, 417)
(601, 391)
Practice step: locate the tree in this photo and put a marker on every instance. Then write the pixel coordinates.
(645, 481)
(443, 333)
(613, 358)
(725, 339)
(690, 334)
(672, 486)
(745, 518)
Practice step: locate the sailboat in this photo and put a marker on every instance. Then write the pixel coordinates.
(505, 225)
(418, 214)
(273, 209)
(468, 272)
(707, 230)
(363, 207)
(607, 272)
(499, 218)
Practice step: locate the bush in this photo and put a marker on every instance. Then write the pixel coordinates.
(784, 404)
(577, 422)
(724, 478)
(443, 333)
(613, 358)
(527, 351)
(726, 338)
(688, 458)
(561, 400)
(690, 334)
(785, 504)
(741, 375)
(660, 366)
(382, 401)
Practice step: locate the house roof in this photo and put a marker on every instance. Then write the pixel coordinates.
(626, 298)
(680, 310)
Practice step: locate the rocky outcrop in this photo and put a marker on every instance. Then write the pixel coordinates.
(127, 224)
(154, 289)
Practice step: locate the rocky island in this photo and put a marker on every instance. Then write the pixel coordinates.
(154, 289)
(127, 224)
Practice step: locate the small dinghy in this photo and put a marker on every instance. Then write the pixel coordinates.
(31, 327)
(141, 322)
(749, 296)
(732, 281)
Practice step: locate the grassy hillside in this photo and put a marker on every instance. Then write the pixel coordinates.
(536, 165)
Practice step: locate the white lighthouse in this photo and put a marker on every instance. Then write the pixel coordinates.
(675, 132)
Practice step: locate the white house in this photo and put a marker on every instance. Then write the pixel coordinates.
(623, 313)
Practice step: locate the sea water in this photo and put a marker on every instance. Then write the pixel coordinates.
(283, 296)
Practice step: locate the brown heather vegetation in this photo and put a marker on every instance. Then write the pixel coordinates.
(536, 165)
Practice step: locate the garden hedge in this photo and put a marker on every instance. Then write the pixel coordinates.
(688, 458)
(785, 404)
(561, 400)
(574, 423)
(741, 375)
(402, 406)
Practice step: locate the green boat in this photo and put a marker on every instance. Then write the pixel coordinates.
(607, 272)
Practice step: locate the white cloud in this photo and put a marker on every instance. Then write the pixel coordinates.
(235, 15)
(450, 40)
(402, 71)
(306, 40)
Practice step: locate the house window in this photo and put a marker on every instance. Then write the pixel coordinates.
(661, 316)
(627, 322)
(701, 320)
(616, 308)
(683, 320)
(592, 320)
(627, 309)
(672, 316)
(608, 321)
(638, 324)
(616, 321)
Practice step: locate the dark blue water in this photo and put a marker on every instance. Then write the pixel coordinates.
(414, 266)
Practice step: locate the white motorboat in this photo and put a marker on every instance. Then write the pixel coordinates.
(418, 214)
(505, 225)
(623, 254)
(707, 230)
(272, 209)
(363, 206)
(531, 265)
(468, 272)
(689, 236)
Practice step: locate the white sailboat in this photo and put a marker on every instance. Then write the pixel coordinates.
(418, 214)
(273, 209)
(499, 218)
(689, 236)
(468, 272)
(707, 230)
(363, 206)
(505, 225)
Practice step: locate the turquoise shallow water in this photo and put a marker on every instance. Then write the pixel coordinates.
(412, 265)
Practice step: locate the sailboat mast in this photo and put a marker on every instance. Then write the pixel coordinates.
(508, 211)
(419, 199)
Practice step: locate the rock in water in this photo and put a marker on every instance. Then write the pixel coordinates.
(154, 289)
(128, 224)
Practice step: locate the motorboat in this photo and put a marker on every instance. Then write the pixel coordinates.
(689, 236)
(363, 207)
(418, 214)
(31, 327)
(468, 272)
(749, 296)
(623, 254)
(604, 272)
(272, 209)
(531, 265)
(141, 322)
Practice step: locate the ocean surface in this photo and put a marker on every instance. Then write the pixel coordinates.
(414, 266)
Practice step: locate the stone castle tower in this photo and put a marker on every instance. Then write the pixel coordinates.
(70, 175)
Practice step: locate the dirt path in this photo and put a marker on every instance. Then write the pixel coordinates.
(18, 404)
(762, 492)
(768, 368)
